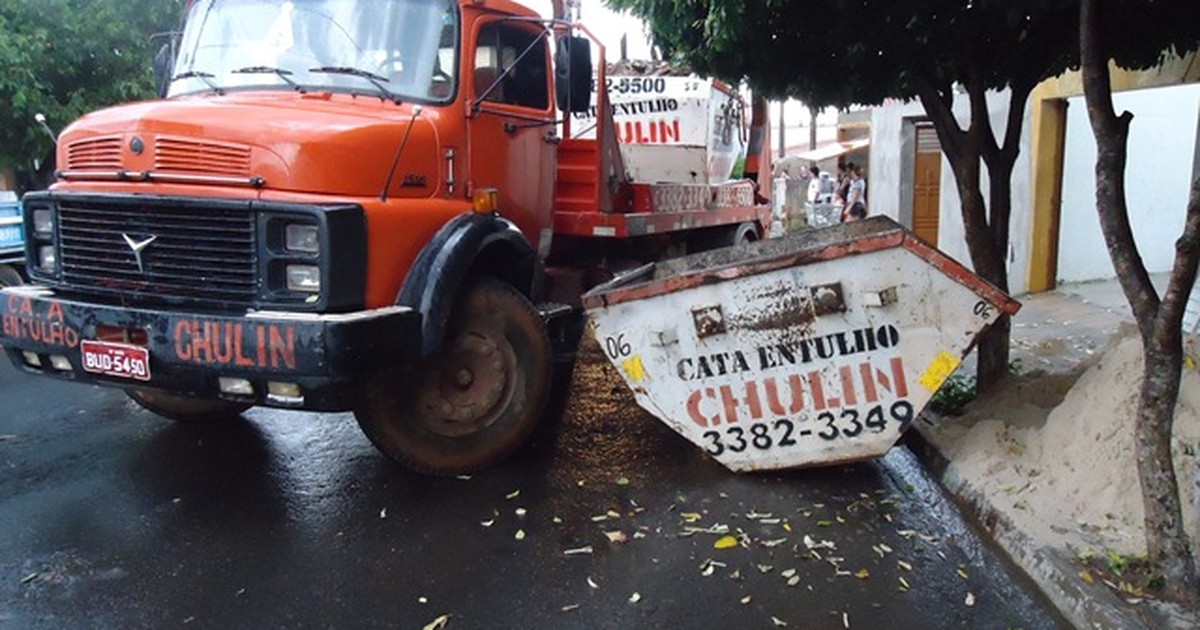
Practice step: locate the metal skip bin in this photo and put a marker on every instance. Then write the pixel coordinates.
(813, 349)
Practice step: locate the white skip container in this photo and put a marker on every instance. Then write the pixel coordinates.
(813, 349)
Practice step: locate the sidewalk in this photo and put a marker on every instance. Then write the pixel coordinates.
(991, 458)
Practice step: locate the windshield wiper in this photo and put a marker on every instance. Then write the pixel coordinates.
(279, 72)
(375, 79)
(203, 76)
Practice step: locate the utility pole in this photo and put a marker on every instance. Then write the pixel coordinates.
(782, 132)
(812, 127)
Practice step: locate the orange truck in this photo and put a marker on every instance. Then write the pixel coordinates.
(367, 205)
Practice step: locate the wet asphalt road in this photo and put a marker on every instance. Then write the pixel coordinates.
(113, 518)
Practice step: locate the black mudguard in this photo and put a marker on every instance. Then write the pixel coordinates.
(467, 244)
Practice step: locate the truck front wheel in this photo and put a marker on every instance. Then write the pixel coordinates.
(477, 400)
(184, 408)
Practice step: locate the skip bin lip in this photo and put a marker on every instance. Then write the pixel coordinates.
(849, 239)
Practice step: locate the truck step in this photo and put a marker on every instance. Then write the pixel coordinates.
(577, 174)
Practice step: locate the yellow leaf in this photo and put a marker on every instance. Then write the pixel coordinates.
(862, 574)
(725, 542)
(1087, 576)
(690, 517)
(437, 624)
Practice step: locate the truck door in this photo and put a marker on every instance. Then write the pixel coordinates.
(511, 130)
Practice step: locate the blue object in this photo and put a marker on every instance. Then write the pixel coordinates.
(12, 232)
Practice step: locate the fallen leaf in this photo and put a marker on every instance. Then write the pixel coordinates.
(962, 574)
(520, 512)
(794, 580)
(846, 619)
(570, 607)
(557, 521)
(778, 622)
(383, 513)
(423, 600)
(885, 548)
(613, 514)
(904, 583)
(746, 600)
(788, 573)
(617, 537)
(773, 542)
(488, 523)
(635, 598)
(736, 575)
(764, 568)
(464, 477)
(862, 574)
(970, 601)
(824, 523)
(520, 535)
(438, 624)
(512, 495)
(599, 517)
(725, 542)
(586, 549)
(690, 517)
(622, 481)
(592, 583)
(1087, 576)
(904, 565)
(29, 578)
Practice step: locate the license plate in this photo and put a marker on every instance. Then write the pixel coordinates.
(116, 359)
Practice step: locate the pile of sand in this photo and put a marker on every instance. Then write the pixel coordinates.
(1056, 455)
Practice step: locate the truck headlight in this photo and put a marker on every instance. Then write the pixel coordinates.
(302, 237)
(304, 278)
(43, 223)
(47, 258)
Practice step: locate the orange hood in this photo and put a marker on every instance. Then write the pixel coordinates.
(320, 142)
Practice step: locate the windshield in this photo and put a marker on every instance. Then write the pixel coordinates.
(407, 46)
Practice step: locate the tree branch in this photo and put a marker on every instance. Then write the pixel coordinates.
(1187, 259)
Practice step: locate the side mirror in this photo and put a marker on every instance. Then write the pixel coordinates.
(573, 74)
(164, 61)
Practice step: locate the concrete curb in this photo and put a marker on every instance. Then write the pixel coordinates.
(1053, 572)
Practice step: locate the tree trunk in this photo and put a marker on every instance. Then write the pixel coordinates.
(1159, 322)
(986, 242)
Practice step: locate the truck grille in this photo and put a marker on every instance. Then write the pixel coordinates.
(198, 254)
(95, 153)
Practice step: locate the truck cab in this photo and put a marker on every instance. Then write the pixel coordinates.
(337, 205)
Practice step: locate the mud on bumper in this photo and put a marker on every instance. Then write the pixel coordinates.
(326, 356)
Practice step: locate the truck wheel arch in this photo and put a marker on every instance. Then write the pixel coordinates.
(467, 246)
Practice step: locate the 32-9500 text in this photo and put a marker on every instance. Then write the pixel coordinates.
(828, 425)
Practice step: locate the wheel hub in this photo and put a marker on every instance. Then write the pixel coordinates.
(468, 385)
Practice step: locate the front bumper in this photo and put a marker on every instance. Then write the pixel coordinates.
(327, 356)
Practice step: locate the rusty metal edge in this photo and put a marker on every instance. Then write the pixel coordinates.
(612, 295)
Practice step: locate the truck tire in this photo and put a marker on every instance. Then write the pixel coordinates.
(185, 408)
(474, 402)
(9, 277)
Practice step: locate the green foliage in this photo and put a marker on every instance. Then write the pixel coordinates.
(842, 52)
(954, 395)
(63, 58)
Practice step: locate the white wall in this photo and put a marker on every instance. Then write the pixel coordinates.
(1162, 145)
(886, 186)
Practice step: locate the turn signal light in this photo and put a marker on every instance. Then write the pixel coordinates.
(486, 200)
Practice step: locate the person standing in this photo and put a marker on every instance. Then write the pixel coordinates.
(856, 195)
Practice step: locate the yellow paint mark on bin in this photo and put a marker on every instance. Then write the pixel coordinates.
(942, 367)
(634, 369)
